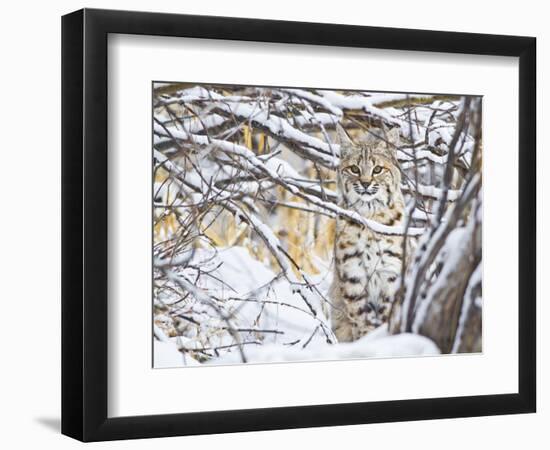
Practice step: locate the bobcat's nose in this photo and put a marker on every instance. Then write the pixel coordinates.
(369, 187)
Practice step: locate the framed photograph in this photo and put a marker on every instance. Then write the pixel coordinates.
(274, 224)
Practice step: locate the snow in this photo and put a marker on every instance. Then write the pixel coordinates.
(280, 127)
(436, 193)
(254, 296)
(316, 99)
(229, 303)
(167, 355)
(256, 162)
(450, 255)
(378, 344)
(425, 250)
(475, 279)
(359, 102)
(159, 334)
(375, 345)
(298, 327)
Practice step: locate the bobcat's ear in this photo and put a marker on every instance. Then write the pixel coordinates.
(393, 136)
(345, 142)
(390, 140)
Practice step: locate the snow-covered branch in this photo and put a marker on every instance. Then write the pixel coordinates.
(245, 202)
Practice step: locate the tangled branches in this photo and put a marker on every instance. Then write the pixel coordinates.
(245, 201)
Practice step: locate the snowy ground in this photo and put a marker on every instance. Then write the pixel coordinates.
(378, 344)
(279, 325)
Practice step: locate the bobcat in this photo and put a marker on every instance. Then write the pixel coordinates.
(367, 264)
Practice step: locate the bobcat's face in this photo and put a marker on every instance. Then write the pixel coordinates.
(369, 177)
(367, 174)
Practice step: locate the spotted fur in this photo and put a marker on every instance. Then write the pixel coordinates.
(367, 264)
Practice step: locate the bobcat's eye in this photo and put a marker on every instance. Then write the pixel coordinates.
(377, 170)
(354, 170)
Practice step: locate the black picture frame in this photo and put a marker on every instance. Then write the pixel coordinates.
(84, 224)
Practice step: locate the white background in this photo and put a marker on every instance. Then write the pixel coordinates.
(30, 331)
(136, 389)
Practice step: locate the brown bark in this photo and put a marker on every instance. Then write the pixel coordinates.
(441, 320)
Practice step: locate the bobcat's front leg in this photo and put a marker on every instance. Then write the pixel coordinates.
(342, 326)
